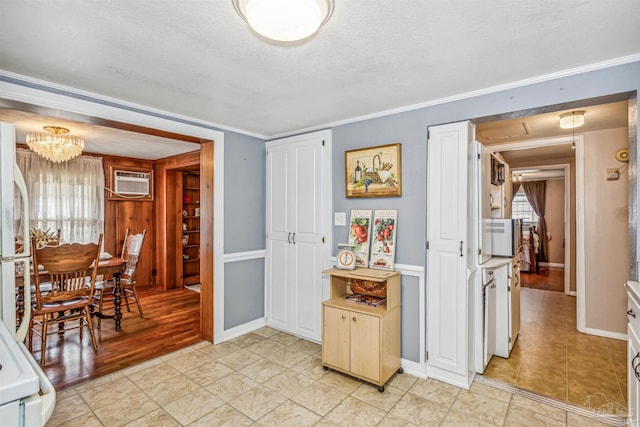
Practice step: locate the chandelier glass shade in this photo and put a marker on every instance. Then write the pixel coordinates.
(571, 120)
(285, 20)
(55, 144)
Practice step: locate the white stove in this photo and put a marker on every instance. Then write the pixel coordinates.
(21, 381)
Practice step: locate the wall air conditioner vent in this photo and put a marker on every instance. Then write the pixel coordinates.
(132, 183)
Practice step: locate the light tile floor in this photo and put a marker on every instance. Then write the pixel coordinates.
(552, 358)
(269, 378)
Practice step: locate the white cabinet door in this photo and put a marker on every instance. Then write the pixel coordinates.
(448, 240)
(514, 307)
(484, 191)
(633, 383)
(279, 236)
(490, 322)
(295, 206)
(503, 301)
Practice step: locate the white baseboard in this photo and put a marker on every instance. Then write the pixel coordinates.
(606, 334)
(552, 264)
(413, 368)
(451, 378)
(245, 328)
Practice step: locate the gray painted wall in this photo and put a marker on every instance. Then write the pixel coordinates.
(243, 292)
(409, 129)
(244, 194)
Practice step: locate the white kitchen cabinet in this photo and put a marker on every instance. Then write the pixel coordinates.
(501, 194)
(633, 351)
(507, 192)
(295, 230)
(514, 308)
(507, 306)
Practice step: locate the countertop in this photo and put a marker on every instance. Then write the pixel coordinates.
(495, 262)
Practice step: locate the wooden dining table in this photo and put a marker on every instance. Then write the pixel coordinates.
(113, 266)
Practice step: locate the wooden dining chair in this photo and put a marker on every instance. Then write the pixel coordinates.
(131, 250)
(64, 289)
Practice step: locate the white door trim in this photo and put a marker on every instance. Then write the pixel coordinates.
(115, 110)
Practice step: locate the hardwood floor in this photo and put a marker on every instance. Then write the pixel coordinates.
(547, 279)
(171, 322)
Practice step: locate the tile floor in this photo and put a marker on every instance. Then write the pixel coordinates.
(552, 358)
(269, 378)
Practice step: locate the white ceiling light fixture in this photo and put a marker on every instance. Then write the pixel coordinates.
(285, 20)
(572, 120)
(55, 144)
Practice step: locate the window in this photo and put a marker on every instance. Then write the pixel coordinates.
(68, 196)
(521, 208)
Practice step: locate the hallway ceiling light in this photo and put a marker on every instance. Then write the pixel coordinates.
(55, 144)
(571, 120)
(285, 20)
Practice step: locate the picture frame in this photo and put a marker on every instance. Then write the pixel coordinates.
(373, 171)
(123, 183)
(359, 235)
(383, 241)
(497, 171)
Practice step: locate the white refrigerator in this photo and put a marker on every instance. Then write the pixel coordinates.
(27, 397)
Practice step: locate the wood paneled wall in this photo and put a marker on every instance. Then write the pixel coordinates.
(168, 212)
(133, 214)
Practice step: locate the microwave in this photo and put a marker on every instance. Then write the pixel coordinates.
(506, 237)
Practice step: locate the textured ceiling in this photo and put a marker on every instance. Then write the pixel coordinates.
(198, 58)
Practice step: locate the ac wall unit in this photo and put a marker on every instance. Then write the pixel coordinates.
(132, 183)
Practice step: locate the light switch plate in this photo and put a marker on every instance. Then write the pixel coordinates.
(339, 218)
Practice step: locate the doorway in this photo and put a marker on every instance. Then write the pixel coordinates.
(580, 239)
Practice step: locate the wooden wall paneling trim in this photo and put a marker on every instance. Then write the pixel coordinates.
(206, 241)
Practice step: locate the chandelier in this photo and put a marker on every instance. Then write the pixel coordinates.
(285, 20)
(55, 144)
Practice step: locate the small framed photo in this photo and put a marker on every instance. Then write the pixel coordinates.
(373, 171)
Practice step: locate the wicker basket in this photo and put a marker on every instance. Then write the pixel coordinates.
(368, 287)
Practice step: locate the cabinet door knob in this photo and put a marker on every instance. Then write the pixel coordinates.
(354, 318)
(631, 313)
(461, 248)
(343, 317)
(289, 238)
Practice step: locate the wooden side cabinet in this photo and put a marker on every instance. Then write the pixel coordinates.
(360, 340)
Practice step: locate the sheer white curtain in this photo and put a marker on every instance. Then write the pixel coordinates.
(68, 196)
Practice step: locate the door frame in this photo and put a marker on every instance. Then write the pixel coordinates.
(566, 167)
(39, 93)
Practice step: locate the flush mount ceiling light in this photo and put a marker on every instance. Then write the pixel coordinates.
(285, 20)
(55, 144)
(571, 120)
